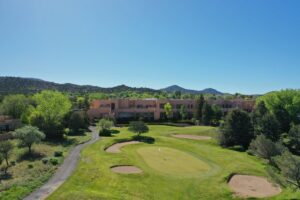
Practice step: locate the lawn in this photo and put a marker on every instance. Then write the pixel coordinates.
(29, 172)
(173, 168)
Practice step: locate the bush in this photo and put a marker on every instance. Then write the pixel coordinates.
(45, 160)
(30, 166)
(53, 161)
(265, 148)
(13, 163)
(58, 154)
(104, 132)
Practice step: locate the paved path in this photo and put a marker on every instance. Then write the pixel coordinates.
(64, 171)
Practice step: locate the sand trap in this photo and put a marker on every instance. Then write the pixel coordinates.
(193, 137)
(253, 186)
(126, 170)
(116, 148)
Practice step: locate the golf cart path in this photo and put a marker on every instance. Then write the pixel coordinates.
(64, 171)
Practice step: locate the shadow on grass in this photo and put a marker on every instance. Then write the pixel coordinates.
(6, 176)
(65, 142)
(30, 157)
(145, 139)
(114, 132)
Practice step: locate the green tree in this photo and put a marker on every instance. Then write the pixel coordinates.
(289, 166)
(269, 126)
(29, 135)
(285, 105)
(199, 104)
(78, 120)
(207, 114)
(138, 127)
(14, 105)
(177, 95)
(183, 112)
(168, 110)
(48, 115)
(265, 148)
(293, 139)
(6, 148)
(105, 126)
(217, 114)
(236, 130)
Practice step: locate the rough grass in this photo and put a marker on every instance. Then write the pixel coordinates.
(22, 178)
(93, 178)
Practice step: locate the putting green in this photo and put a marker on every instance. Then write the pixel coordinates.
(172, 162)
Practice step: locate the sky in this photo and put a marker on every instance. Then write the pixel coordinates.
(246, 46)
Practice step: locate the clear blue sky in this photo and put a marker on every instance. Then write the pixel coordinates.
(247, 46)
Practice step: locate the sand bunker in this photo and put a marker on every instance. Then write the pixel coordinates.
(193, 137)
(116, 148)
(126, 170)
(253, 186)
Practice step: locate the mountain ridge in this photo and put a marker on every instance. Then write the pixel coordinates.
(9, 84)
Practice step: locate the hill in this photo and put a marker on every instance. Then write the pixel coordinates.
(13, 85)
(175, 88)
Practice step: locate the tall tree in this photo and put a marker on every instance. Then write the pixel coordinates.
(14, 105)
(29, 135)
(269, 126)
(51, 108)
(199, 104)
(183, 112)
(168, 110)
(293, 139)
(77, 121)
(236, 130)
(207, 114)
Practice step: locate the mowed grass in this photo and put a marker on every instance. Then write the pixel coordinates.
(172, 162)
(93, 178)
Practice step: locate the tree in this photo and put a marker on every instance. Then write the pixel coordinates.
(105, 126)
(78, 121)
(207, 114)
(236, 130)
(289, 166)
(177, 95)
(265, 148)
(285, 105)
(168, 110)
(183, 112)
(138, 127)
(293, 139)
(29, 135)
(199, 103)
(14, 105)
(217, 114)
(6, 148)
(51, 108)
(269, 126)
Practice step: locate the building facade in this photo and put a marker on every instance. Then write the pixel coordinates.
(153, 109)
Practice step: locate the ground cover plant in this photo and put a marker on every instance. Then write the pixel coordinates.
(94, 179)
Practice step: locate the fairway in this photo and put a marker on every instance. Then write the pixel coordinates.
(173, 162)
(170, 168)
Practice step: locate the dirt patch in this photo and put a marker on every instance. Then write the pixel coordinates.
(126, 169)
(253, 186)
(116, 148)
(193, 137)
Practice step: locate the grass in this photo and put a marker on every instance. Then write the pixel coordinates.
(29, 172)
(93, 178)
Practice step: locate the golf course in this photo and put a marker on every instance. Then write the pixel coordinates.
(188, 166)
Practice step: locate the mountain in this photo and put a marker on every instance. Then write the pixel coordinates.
(14, 85)
(175, 88)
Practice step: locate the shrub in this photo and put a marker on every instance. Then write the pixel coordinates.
(58, 154)
(45, 160)
(265, 148)
(53, 161)
(30, 166)
(104, 132)
(13, 163)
